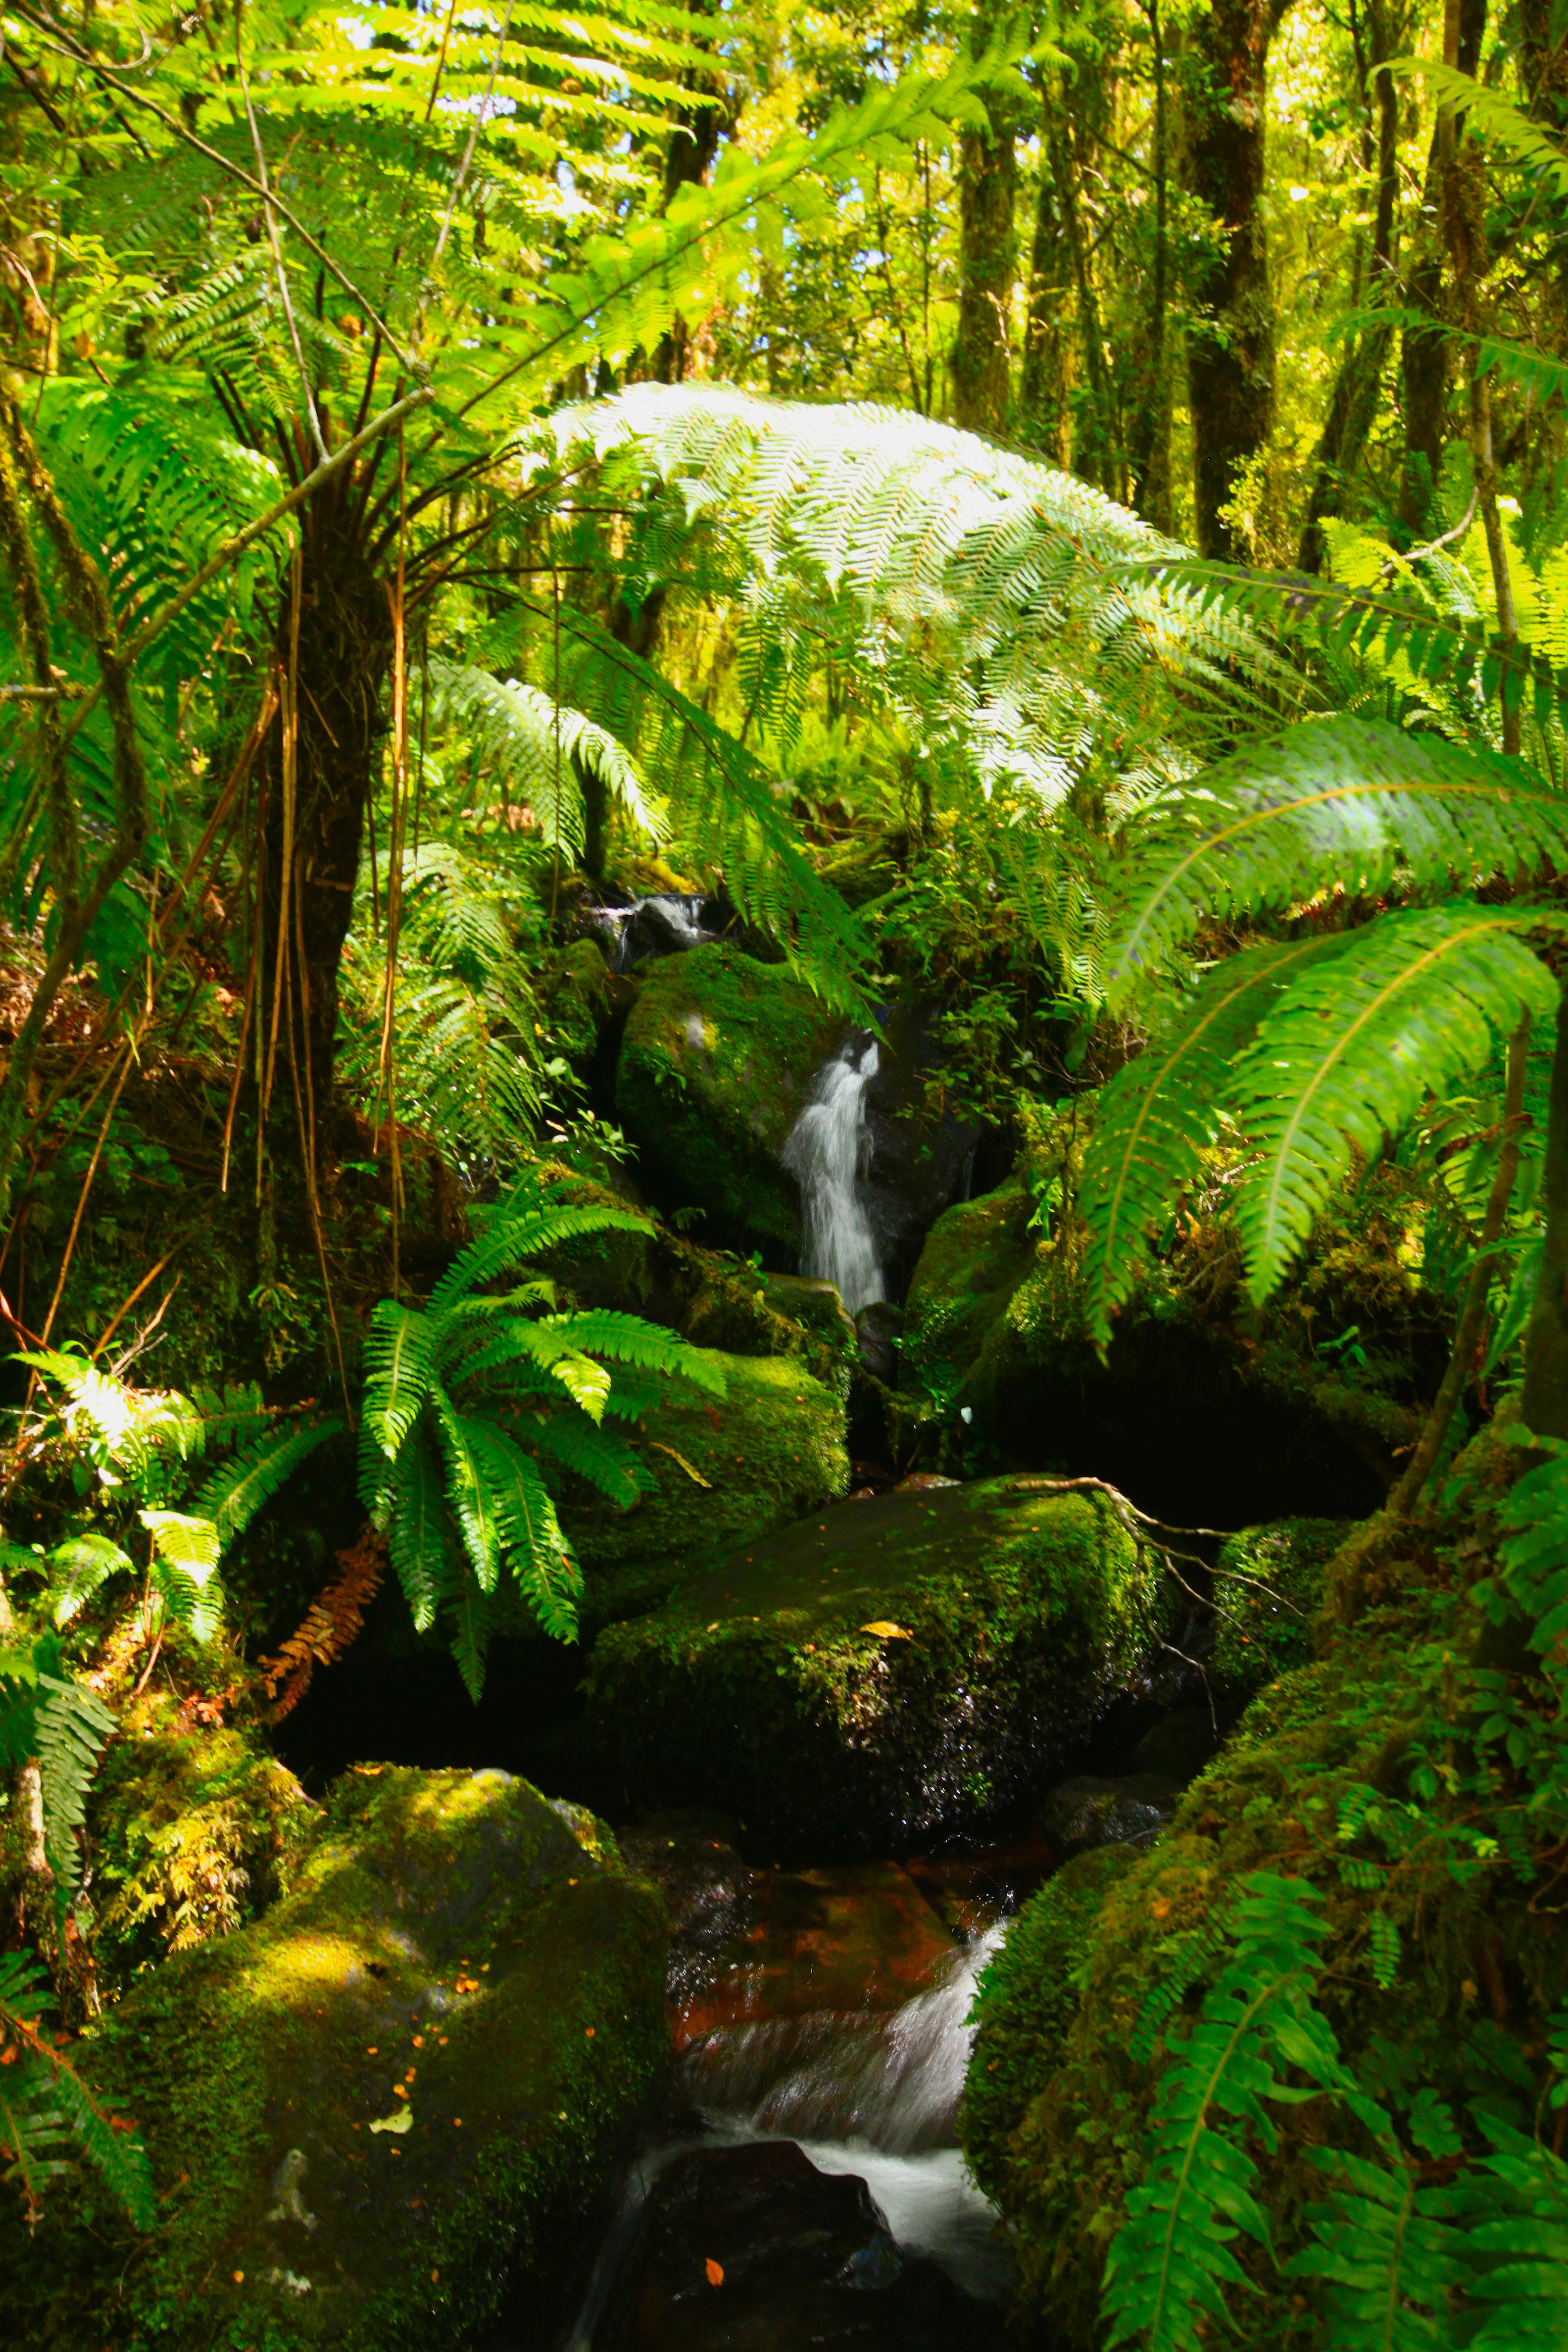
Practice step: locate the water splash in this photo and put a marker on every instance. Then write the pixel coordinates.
(826, 1152)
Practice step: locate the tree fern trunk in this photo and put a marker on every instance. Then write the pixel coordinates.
(335, 639)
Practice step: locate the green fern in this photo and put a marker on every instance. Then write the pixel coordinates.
(1159, 1114)
(47, 2112)
(1516, 2243)
(1171, 2260)
(471, 1401)
(1349, 1054)
(1334, 804)
(1384, 2254)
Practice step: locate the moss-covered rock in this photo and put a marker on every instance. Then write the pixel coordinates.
(724, 1476)
(718, 1053)
(974, 1258)
(884, 1669)
(1026, 2000)
(1268, 1588)
(1388, 1730)
(363, 2109)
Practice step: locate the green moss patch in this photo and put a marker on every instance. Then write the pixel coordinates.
(974, 1258)
(717, 1057)
(1268, 1586)
(725, 1474)
(763, 1686)
(458, 1965)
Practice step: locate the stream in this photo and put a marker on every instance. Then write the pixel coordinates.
(807, 2145)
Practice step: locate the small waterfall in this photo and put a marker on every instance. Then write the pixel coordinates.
(661, 924)
(827, 1153)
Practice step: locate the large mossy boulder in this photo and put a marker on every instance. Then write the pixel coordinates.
(370, 2109)
(885, 1669)
(1373, 1776)
(718, 1055)
(976, 1257)
(1026, 2000)
(724, 1474)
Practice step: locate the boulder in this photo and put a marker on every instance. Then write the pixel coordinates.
(753, 2249)
(1084, 1813)
(1268, 1588)
(1025, 2002)
(369, 2108)
(976, 1256)
(717, 1057)
(724, 1476)
(887, 1668)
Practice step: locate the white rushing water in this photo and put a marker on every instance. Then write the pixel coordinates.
(871, 2095)
(827, 1153)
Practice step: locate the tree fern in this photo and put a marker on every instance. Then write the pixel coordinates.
(1158, 1116)
(1335, 802)
(1349, 1054)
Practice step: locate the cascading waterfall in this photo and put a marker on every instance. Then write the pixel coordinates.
(826, 1152)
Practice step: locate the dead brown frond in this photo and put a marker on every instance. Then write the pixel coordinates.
(330, 1623)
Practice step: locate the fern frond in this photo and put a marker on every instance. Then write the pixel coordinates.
(535, 1548)
(234, 1495)
(591, 1454)
(516, 1232)
(1171, 2259)
(331, 1623)
(1386, 2254)
(1158, 1116)
(1335, 802)
(71, 1729)
(1516, 2240)
(472, 1502)
(1347, 1057)
(543, 744)
(417, 1529)
(628, 1339)
(400, 1351)
(77, 1568)
(469, 1615)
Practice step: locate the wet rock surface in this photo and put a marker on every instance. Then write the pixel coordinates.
(882, 1670)
(370, 2110)
(1084, 1813)
(753, 2249)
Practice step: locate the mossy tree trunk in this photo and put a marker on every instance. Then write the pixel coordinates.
(981, 361)
(334, 649)
(1230, 349)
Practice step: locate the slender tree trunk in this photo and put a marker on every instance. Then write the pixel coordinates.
(1045, 380)
(1424, 350)
(1543, 1405)
(980, 358)
(1231, 350)
(1149, 450)
(1352, 405)
(1094, 454)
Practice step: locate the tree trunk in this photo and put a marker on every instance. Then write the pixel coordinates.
(336, 643)
(1543, 1405)
(1095, 452)
(1352, 405)
(1423, 351)
(1149, 441)
(1231, 350)
(1045, 380)
(980, 358)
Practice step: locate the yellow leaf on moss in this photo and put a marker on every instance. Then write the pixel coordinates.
(887, 1631)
